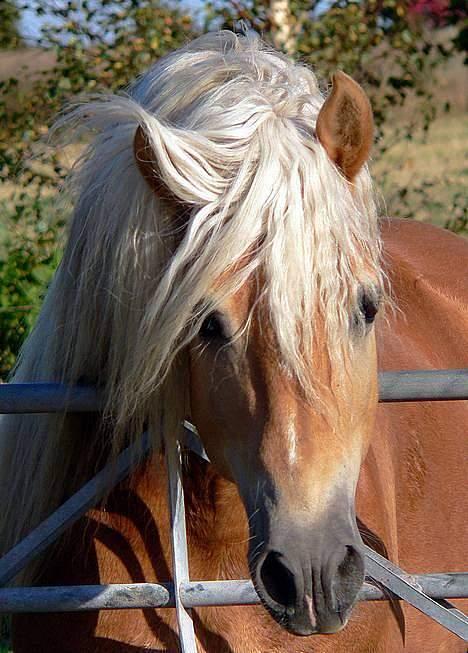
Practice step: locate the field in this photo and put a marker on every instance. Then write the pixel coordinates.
(425, 178)
(431, 173)
(421, 178)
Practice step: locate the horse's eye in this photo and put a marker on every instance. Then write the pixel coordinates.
(212, 328)
(368, 306)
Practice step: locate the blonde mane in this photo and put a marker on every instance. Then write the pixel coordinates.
(232, 125)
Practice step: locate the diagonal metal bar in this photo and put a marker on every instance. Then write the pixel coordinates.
(76, 506)
(405, 587)
(36, 398)
(71, 510)
(192, 441)
(180, 565)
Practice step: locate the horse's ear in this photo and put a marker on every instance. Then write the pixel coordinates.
(345, 126)
(147, 164)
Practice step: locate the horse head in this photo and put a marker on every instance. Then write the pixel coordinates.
(282, 358)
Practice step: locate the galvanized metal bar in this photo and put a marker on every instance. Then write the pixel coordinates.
(180, 565)
(406, 587)
(71, 510)
(194, 594)
(191, 441)
(423, 385)
(48, 398)
(77, 505)
(86, 598)
(403, 385)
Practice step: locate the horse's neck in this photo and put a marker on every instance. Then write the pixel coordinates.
(214, 508)
(427, 270)
(134, 524)
(399, 487)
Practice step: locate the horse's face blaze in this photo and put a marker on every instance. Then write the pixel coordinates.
(295, 464)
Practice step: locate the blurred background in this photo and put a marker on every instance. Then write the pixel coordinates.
(408, 55)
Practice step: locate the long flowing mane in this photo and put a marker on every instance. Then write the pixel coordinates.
(232, 125)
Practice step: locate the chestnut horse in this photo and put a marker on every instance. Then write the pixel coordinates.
(225, 264)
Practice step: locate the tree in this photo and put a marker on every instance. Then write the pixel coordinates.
(101, 45)
(282, 21)
(9, 34)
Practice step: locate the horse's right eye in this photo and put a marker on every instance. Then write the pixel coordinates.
(369, 307)
(212, 328)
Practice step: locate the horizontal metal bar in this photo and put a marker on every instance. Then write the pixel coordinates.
(411, 385)
(48, 398)
(194, 594)
(423, 385)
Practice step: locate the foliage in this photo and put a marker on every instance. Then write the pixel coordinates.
(376, 42)
(97, 46)
(101, 45)
(389, 46)
(9, 34)
(459, 222)
(30, 254)
(94, 46)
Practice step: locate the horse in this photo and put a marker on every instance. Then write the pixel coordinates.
(227, 264)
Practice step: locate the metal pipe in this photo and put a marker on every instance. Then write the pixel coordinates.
(194, 594)
(71, 510)
(423, 385)
(403, 385)
(48, 398)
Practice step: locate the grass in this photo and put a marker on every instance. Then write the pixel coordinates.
(427, 178)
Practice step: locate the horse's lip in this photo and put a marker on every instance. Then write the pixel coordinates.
(283, 616)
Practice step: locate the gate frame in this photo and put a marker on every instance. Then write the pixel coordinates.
(428, 593)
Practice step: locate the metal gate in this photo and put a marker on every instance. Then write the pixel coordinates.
(428, 593)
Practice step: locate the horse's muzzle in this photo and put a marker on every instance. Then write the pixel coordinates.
(312, 593)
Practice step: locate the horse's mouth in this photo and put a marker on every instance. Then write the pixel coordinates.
(305, 597)
(303, 620)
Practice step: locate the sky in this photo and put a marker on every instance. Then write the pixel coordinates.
(30, 23)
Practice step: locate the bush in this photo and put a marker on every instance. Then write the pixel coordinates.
(102, 45)
(30, 251)
(9, 33)
(98, 46)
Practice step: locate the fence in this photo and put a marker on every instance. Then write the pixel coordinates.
(428, 593)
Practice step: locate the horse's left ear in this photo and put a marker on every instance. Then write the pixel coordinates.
(345, 126)
(147, 165)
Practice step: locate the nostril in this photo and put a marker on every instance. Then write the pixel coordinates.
(278, 580)
(352, 563)
(348, 579)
